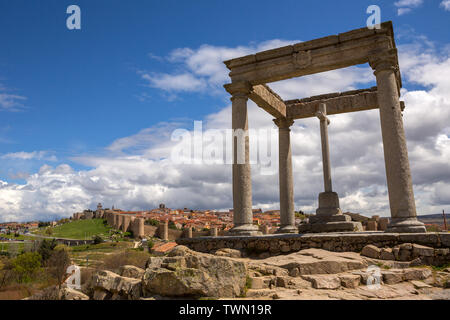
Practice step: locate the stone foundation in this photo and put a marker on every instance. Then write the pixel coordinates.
(338, 242)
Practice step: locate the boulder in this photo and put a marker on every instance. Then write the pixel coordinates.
(371, 251)
(186, 273)
(130, 271)
(109, 285)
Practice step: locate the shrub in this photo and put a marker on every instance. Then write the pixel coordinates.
(46, 248)
(57, 264)
(26, 266)
(152, 222)
(97, 239)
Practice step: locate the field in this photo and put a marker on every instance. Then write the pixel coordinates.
(78, 229)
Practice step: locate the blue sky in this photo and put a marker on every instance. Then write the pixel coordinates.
(72, 93)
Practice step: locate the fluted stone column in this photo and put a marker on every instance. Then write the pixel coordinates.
(398, 175)
(287, 214)
(242, 184)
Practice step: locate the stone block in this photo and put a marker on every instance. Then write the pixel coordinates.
(371, 226)
(350, 281)
(392, 276)
(416, 274)
(422, 251)
(383, 223)
(386, 254)
(371, 251)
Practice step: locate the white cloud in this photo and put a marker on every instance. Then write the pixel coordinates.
(135, 172)
(34, 155)
(406, 6)
(202, 69)
(445, 4)
(11, 102)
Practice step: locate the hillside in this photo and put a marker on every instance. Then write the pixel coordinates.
(79, 229)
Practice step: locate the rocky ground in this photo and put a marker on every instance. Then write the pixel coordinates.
(306, 274)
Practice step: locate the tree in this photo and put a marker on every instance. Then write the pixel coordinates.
(48, 231)
(26, 265)
(172, 225)
(46, 248)
(57, 264)
(97, 239)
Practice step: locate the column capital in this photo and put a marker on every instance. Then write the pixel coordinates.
(283, 123)
(384, 60)
(239, 89)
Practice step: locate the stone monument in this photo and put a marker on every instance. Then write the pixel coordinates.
(249, 77)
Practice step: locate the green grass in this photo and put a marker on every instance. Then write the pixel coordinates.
(19, 237)
(79, 229)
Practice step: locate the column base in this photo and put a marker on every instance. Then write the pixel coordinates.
(245, 230)
(405, 225)
(319, 227)
(287, 229)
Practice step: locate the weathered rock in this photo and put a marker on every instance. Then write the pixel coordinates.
(392, 276)
(262, 282)
(420, 284)
(350, 280)
(323, 281)
(416, 274)
(371, 251)
(187, 273)
(227, 252)
(422, 251)
(130, 271)
(115, 286)
(386, 254)
(317, 261)
(56, 293)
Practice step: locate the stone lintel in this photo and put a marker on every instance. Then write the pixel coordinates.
(349, 101)
(268, 100)
(318, 55)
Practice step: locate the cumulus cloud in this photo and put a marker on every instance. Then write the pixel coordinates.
(445, 4)
(137, 172)
(202, 69)
(406, 6)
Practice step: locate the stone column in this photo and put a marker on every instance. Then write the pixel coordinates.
(287, 214)
(329, 217)
(398, 175)
(242, 184)
(214, 232)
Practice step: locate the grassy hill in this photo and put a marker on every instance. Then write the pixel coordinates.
(79, 229)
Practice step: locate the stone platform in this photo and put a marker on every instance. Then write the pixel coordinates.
(338, 242)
